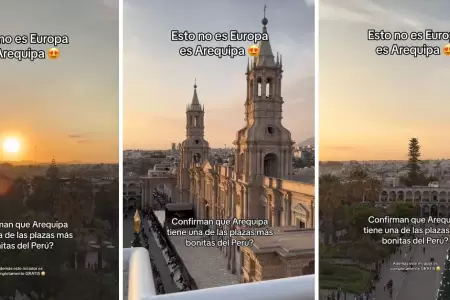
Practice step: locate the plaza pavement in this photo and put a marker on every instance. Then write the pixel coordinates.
(412, 285)
(207, 265)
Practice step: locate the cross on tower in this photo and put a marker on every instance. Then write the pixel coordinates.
(265, 6)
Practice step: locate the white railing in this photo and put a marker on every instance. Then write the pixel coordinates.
(140, 277)
(141, 287)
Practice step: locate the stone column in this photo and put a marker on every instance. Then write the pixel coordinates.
(280, 163)
(279, 84)
(247, 204)
(288, 210)
(268, 211)
(275, 216)
(233, 259)
(286, 164)
(245, 165)
(248, 90)
(262, 163)
(231, 215)
(290, 167)
(144, 194)
(242, 202)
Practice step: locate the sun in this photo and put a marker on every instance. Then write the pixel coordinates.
(11, 145)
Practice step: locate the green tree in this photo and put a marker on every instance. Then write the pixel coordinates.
(358, 173)
(360, 186)
(403, 210)
(373, 190)
(308, 158)
(360, 218)
(52, 171)
(366, 251)
(107, 207)
(415, 176)
(331, 194)
(298, 163)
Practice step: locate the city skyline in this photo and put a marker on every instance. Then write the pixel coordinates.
(159, 82)
(66, 108)
(372, 115)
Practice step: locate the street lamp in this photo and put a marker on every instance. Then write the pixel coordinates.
(137, 230)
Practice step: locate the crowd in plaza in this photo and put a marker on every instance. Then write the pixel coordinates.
(167, 257)
(172, 260)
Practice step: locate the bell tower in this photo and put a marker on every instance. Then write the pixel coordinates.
(264, 145)
(195, 148)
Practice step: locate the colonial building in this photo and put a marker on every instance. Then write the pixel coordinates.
(131, 190)
(289, 252)
(257, 183)
(431, 200)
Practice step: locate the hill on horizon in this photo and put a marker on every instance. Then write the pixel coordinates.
(307, 142)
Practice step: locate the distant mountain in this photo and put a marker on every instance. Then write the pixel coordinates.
(307, 142)
(73, 162)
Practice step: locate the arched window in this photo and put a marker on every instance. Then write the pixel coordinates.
(271, 165)
(269, 88)
(260, 87)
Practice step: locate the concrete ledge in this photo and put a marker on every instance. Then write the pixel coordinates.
(141, 285)
(293, 288)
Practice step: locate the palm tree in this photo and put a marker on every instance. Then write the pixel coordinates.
(99, 229)
(373, 190)
(356, 186)
(330, 199)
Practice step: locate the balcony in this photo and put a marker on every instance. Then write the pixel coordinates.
(140, 285)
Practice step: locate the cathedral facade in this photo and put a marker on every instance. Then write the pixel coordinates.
(257, 183)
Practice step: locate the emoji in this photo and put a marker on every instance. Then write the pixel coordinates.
(42, 273)
(53, 53)
(253, 50)
(446, 50)
(438, 268)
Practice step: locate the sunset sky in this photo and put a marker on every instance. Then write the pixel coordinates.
(158, 81)
(370, 106)
(66, 108)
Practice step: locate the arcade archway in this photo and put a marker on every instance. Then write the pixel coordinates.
(434, 211)
(426, 211)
